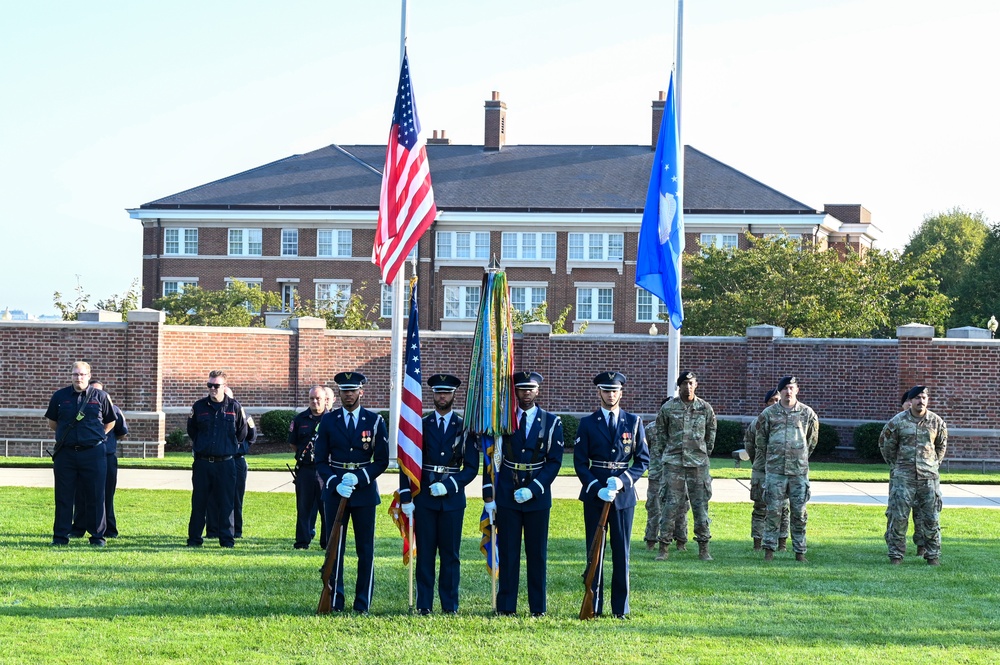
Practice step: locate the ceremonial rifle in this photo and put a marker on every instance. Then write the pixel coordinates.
(595, 556)
(332, 551)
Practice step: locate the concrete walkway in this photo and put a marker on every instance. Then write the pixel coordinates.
(565, 487)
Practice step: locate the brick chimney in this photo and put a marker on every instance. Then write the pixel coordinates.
(496, 123)
(658, 106)
(849, 213)
(439, 138)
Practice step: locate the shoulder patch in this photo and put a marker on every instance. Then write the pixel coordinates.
(291, 426)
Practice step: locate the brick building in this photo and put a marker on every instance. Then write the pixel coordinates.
(563, 220)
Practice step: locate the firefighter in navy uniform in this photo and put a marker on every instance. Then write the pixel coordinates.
(216, 426)
(610, 455)
(352, 450)
(81, 416)
(450, 462)
(242, 470)
(308, 486)
(522, 499)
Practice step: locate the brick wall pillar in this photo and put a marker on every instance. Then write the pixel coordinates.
(143, 398)
(536, 353)
(915, 360)
(763, 365)
(307, 356)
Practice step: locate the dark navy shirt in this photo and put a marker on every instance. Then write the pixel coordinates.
(120, 430)
(63, 408)
(216, 428)
(301, 431)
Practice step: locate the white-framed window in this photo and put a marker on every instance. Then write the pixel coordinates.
(463, 245)
(461, 301)
(334, 242)
(180, 241)
(245, 242)
(289, 242)
(526, 298)
(595, 303)
(172, 286)
(289, 296)
(253, 283)
(721, 240)
(648, 307)
(385, 310)
(529, 246)
(334, 294)
(596, 246)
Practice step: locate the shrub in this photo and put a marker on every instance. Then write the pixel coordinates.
(570, 425)
(828, 440)
(177, 439)
(866, 441)
(728, 437)
(274, 424)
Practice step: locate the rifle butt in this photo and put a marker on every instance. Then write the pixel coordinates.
(332, 551)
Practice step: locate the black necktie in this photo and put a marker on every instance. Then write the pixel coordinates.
(524, 424)
(612, 430)
(350, 424)
(441, 425)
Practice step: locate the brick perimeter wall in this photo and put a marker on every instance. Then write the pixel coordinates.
(156, 372)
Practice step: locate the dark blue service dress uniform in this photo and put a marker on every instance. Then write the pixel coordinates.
(79, 459)
(216, 429)
(364, 451)
(597, 456)
(308, 486)
(530, 459)
(450, 459)
(110, 484)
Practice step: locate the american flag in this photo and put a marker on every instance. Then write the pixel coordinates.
(411, 432)
(406, 205)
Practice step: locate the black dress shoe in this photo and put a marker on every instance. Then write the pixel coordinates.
(505, 614)
(300, 546)
(423, 611)
(451, 612)
(537, 615)
(623, 617)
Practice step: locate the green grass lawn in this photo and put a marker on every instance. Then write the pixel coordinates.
(721, 468)
(146, 598)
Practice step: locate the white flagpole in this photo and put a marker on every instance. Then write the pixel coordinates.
(674, 339)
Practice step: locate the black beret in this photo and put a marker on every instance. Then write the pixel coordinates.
(684, 376)
(915, 391)
(786, 380)
(769, 395)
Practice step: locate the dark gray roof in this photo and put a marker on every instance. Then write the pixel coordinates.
(589, 178)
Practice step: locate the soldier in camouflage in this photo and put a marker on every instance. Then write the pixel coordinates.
(653, 508)
(685, 432)
(918, 525)
(759, 513)
(913, 443)
(787, 434)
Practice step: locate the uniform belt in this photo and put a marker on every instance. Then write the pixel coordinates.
(79, 448)
(533, 466)
(214, 458)
(347, 465)
(441, 469)
(608, 465)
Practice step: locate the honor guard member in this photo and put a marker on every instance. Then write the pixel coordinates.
(308, 486)
(450, 462)
(111, 479)
(81, 416)
(216, 426)
(759, 513)
(913, 444)
(610, 455)
(242, 449)
(686, 428)
(352, 450)
(522, 498)
(787, 434)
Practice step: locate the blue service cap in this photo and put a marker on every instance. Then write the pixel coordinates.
(444, 383)
(526, 379)
(610, 380)
(350, 380)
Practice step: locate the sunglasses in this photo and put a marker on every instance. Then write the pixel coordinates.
(212, 386)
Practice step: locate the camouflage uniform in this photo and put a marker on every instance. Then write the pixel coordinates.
(680, 533)
(686, 435)
(786, 438)
(759, 513)
(914, 448)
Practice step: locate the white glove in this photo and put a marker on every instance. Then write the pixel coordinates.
(491, 508)
(522, 495)
(438, 489)
(615, 483)
(407, 509)
(606, 494)
(349, 479)
(345, 490)
(329, 480)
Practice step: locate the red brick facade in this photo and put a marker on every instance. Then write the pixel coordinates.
(154, 372)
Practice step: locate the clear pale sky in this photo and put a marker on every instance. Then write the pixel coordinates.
(892, 104)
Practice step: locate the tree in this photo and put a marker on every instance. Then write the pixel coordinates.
(235, 306)
(352, 315)
(978, 296)
(953, 240)
(123, 303)
(808, 292)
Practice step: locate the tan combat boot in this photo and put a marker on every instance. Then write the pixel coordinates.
(801, 556)
(921, 550)
(650, 544)
(782, 544)
(682, 546)
(933, 562)
(664, 552)
(703, 552)
(768, 555)
(895, 562)
(756, 545)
